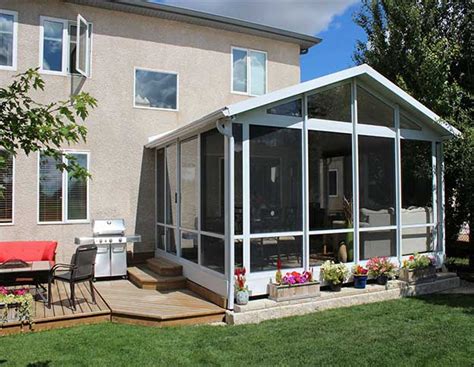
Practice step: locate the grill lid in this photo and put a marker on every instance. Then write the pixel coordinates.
(108, 227)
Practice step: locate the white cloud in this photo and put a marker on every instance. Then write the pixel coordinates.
(305, 16)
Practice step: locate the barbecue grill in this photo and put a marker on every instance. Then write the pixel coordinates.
(109, 237)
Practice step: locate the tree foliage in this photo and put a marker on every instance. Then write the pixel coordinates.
(30, 126)
(426, 47)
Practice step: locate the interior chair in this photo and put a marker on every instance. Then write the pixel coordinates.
(81, 269)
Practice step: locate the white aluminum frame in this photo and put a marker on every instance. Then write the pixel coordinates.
(13, 66)
(249, 70)
(258, 280)
(64, 178)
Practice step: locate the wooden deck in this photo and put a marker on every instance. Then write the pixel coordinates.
(61, 313)
(130, 304)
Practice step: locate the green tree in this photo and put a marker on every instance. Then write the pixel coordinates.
(29, 126)
(426, 47)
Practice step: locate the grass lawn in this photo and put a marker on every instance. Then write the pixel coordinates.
(427, 331)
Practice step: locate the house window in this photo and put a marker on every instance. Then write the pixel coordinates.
(331, 104)
(61, 52)
(8, 39)
(332, 183)
(156, 89)
(62, 197)
(249, 71)
(6, 188)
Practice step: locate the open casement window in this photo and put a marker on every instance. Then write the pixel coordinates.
(83, 46)
(65, 46)
(62, 198)
(6, 188)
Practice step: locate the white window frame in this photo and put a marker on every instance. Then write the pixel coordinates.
(66, 50)
(12, 222)
(81, 19)
(135, 68)
(249, 71)
(13, 66)
(64, 212)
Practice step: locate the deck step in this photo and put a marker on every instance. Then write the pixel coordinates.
(141, 279)
(164, 267)
(145, 278)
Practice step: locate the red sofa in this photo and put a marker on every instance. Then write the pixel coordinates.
(28, 251)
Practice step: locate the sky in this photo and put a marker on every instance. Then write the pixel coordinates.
(330, 20)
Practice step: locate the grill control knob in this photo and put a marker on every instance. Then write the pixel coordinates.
(100, 241)
(120, 240)
(110, 240)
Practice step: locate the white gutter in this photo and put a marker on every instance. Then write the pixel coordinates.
(162, 139)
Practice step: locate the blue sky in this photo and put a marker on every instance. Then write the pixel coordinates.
(330, 20)
(335, 52)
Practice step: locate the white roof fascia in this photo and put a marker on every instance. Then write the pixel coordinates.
(162, 139)
(310, 85)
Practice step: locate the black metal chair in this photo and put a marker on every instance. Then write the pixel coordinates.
(81, 269)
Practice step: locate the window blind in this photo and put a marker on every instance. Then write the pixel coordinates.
(50, 190)
(77, 192)
(6, 190)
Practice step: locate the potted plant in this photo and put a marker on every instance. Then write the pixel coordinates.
(292, 285)
(16, 305)
(418, 268)
(241, 290)
(335, 274)
(360, 276)
(381, 268)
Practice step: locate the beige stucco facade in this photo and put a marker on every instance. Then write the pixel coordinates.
(122, 184)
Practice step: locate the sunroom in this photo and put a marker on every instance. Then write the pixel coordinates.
(344, 167)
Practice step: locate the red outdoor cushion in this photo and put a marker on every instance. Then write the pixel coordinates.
(28, 250)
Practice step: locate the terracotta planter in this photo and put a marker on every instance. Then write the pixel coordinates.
(413, 276)
(284, 292)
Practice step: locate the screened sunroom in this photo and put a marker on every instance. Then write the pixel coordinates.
(344, 167)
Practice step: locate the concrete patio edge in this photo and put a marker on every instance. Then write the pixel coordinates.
(265, 309)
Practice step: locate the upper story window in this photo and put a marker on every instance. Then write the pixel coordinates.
(8, 39)
(65, 46)
(6, 188)
(249, 71)
(156, 89)
(62, 197)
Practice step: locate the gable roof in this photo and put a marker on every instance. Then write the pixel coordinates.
(367, 74)
(175, 13)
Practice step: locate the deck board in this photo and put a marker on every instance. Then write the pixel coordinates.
(60, 314)
(124, 298)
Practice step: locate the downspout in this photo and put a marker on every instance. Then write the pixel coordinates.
(224, 126)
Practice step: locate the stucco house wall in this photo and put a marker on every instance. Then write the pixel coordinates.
(122, 184)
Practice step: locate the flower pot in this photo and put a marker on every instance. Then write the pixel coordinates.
(286, 292)
(382, 279)
(242, 297)
(360, 281)
(336, 287)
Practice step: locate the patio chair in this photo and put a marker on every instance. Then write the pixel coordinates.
(81, 269)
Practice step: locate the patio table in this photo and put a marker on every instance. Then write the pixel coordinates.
(36, 273)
